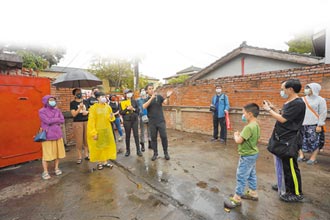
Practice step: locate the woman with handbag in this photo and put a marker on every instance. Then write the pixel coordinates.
(314, 123)
(53, 148)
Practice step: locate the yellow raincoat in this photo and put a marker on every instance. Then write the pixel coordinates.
(99, 123)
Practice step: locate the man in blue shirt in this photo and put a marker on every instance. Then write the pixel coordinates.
(220, 104)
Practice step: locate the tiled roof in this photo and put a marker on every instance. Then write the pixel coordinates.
(261, 52)
(11, 58)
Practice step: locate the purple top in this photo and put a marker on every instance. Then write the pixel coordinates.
(51, 119)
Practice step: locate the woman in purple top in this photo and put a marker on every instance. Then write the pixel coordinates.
(53, 148)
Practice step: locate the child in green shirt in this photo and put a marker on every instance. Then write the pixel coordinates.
(247, 149)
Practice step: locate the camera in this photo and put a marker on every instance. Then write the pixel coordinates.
(212, 108)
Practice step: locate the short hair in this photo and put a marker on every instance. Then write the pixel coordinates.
(93, 89)
(148, 85)
(294, 84)
(253, 108)
(75, 90)
(218, 86)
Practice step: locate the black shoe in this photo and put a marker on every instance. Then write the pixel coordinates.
(127, 153)
(275, 187)
(139, 153)
(149, 145)
(142, 147)
(167, 157)
(154, 157)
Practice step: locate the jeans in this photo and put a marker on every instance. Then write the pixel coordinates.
(118, 126)
(143, 127)
(246, 172)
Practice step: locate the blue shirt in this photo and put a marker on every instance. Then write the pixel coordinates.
(221, 105)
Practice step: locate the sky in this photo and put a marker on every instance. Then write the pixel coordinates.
(167, 35)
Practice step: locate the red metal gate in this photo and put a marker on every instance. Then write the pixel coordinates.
(19, 120)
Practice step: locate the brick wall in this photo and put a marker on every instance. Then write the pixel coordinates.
(189, 104)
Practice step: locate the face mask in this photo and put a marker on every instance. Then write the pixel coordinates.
(283, 95)
(307, 91)
(243, 118)
(103, 99)
(143, 93)
(79, 95)
(218, 90)
(52, 103)
(129, 95)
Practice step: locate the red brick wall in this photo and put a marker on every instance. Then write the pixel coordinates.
(188, 109)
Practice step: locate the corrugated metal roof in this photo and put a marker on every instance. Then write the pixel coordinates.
(11, 58)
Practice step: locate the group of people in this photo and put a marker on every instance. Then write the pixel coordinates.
(93, 126)
(299, 128)
(299, 124)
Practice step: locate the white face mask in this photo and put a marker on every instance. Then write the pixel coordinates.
(283, 95)
(143, 93)
(307, 91)
(129, 95)
(218, 90)
(103, 100)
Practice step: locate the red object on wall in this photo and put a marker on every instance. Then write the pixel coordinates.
(20, 101)
(242, 65)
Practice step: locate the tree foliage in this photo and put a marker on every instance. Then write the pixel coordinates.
(119, 72)
(180, 79)
(50, 56)
(301, 43)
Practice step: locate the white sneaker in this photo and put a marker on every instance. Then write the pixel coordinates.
(120, 138)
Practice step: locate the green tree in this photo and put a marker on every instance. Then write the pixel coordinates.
(301, 43)
(50, 54)
(32, 61)
(180, 79)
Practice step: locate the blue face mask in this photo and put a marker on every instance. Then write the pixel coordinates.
(283, 95)
(52, 103)
(243, 118)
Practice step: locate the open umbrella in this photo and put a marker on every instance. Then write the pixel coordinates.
(77, 79)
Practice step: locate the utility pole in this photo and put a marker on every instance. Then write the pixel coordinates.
(136, 74)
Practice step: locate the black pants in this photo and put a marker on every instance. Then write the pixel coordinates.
(128, 126)
(292, 176)
(154, 129)
(223, 127)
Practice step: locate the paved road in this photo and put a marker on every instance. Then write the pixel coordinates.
(192, 185)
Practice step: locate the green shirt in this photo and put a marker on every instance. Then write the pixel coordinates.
(251, 135)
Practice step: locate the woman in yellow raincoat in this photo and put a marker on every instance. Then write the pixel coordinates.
(100, 137)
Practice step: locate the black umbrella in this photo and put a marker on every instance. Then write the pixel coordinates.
(77, 79)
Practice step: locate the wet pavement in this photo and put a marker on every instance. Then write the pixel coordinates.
(192, 185)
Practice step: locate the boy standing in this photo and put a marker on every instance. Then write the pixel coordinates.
(247, 148)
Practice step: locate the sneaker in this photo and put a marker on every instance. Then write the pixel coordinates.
(154, 157)
(311, 162)
(45, 175)
(288, 197)
(275, 187)
(231, 203)
(167, 157)
(58, 172)
(120, 138)
(222, 140)
(214, 139)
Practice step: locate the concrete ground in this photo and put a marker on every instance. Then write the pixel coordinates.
(192, 185)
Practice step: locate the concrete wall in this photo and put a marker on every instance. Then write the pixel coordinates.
(253, 64)
(189, 104)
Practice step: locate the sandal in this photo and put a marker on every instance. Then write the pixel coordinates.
(247, 195)
(79, 161)
(87, 158)
(301, 159)
(100, 166)
(108, 165)
(58, 172)
(231, 203)
(45, 176)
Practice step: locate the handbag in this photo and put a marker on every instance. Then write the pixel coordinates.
(283, 147)
(41, 136)
(145, 119)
